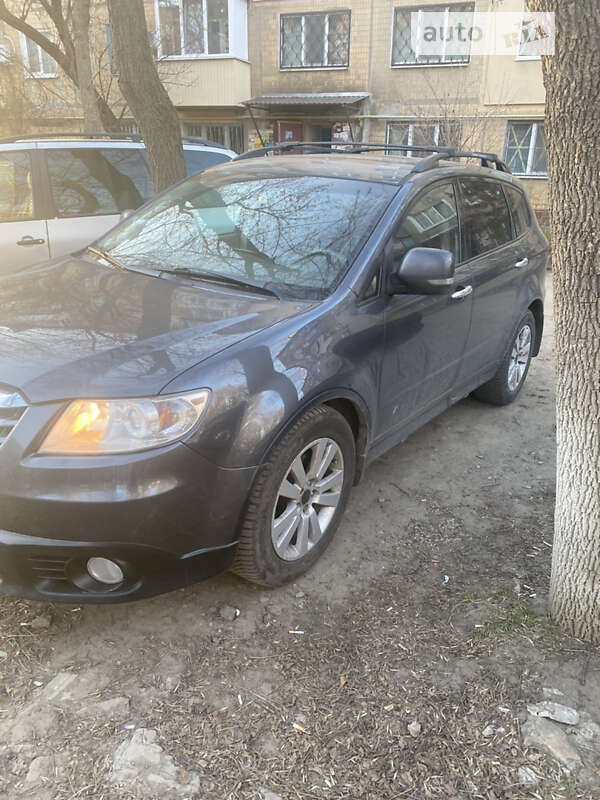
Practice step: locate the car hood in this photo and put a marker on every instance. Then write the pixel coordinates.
(77, 328)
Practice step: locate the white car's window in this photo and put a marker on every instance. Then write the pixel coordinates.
(16, 196)
(198, 160)
(90, 181)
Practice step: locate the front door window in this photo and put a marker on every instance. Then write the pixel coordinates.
(431, 221)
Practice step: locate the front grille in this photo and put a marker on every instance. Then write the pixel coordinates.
(12, 408)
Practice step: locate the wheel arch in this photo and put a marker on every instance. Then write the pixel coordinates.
(354, 410)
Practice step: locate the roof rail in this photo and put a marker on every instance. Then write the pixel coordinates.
(132, 137)
(29, 137)
(436, 154)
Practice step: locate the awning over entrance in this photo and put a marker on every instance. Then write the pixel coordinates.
(268, 101)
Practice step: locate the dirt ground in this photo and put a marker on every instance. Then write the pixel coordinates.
(400, 667)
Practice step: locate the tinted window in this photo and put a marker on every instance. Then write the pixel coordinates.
(90, 181)
(431, 221)
(297, 232)
(486, 220)
(197, 160)
(16, 200)
(518, 209)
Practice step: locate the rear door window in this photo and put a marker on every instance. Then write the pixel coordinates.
(485, 216)
(198, 160)
(16, 190)
(93, 181)
(518, 209)
(431, 221)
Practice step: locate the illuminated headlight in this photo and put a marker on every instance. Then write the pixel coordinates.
(97, 427)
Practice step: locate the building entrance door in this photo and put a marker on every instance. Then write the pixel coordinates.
(289, 132)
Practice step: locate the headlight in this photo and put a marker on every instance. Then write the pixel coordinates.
(96, 427)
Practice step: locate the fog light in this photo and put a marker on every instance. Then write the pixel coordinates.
(104, 570)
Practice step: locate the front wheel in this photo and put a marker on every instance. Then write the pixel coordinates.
(508, 381)
(298, 499)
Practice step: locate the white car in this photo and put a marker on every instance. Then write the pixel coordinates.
(60, 192)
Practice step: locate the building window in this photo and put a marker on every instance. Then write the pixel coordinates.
(231, 136)
(403, 54)
(528, 41)
(130, 128)
(432, 133)
(309, 41)
(192, 27)
(525, 149)
(38, 63)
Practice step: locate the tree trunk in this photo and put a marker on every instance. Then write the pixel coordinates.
(145, 95)
(92, 121)
(572, 85)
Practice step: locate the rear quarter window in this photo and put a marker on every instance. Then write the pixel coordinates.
(198, 160)
(519, 210)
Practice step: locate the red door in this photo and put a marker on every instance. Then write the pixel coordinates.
(289, 132)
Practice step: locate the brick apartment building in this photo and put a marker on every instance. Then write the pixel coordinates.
(246, 72)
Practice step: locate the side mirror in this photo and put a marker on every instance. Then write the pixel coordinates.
(424, 270)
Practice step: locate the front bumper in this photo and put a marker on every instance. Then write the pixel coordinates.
(55, 569)
(169, 517)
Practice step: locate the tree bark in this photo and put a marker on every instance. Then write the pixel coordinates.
(572, 81)
(147, 98)
(92, 121)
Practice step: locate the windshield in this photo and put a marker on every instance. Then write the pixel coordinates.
(299, 233)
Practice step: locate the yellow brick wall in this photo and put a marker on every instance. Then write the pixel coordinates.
(263, 35)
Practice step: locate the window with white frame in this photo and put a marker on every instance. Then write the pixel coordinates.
(403, 54)
(38, 63)
(528, 41)
(431, 133)
(310, 41)
(525, 148)
(192, 27)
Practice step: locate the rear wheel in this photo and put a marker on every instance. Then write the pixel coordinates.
(297, 500)
(508, 381)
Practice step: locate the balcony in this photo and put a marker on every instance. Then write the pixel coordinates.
(202, 50)
(217, 81)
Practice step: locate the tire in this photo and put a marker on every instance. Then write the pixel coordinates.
(505, 386)
(317, 435)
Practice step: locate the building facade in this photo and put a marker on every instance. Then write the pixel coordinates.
(253, 72)
(345, 69)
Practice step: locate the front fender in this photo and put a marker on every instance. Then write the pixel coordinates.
(260, 387)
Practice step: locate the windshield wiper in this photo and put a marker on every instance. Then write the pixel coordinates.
(218, 278)
(106, 257)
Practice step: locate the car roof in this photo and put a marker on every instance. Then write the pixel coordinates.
(104, 140)
(383, 169)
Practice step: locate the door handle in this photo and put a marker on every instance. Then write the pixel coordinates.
(28, 241)
(460, 294)
(522, 263)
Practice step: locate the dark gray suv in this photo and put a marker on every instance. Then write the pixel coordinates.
(200, 389)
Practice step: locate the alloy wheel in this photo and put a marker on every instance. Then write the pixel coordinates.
(519, 358)
(307, 499)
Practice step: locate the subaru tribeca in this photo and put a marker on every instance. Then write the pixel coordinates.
(200, 389)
